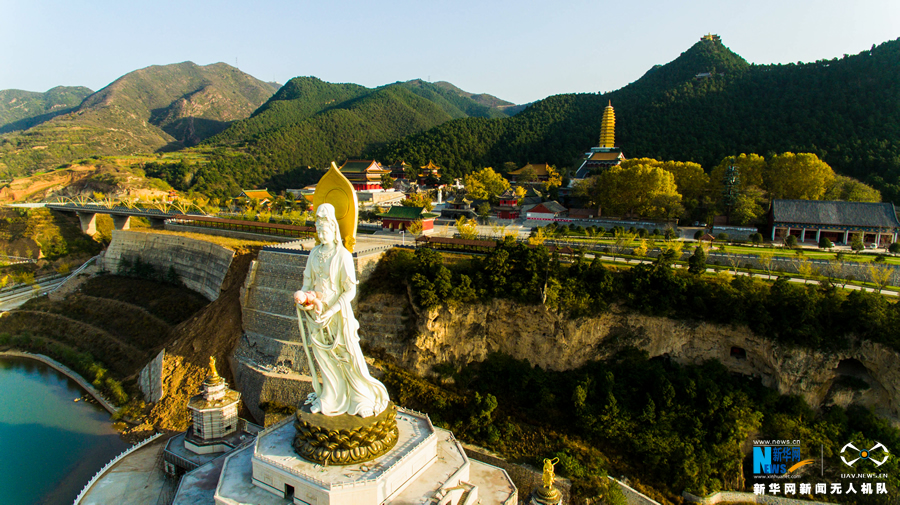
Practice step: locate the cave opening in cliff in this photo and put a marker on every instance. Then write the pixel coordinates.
(738, 353)
(852, 367)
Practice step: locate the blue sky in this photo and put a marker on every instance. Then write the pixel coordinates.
(520, 51)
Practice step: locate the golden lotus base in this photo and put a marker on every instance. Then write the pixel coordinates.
(544, 496)
(344, 439)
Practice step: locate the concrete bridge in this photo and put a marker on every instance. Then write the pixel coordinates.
(87, 215)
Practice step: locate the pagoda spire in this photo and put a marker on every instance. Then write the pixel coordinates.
(608, 128)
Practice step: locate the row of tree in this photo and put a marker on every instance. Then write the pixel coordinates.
(740, 186)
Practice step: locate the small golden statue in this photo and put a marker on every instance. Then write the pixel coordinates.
(549, 474)
(547, 494)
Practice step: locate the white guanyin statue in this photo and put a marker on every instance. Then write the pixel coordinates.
(331, 329)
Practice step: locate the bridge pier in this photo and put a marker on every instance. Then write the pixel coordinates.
(88, 222)
(121, 222)
(158, 223)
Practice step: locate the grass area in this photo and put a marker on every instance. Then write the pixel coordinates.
(172, 304)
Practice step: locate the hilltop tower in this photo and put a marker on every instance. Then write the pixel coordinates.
(606, 154)
(608, 128)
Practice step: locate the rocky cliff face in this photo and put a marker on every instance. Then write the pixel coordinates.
(463, 334)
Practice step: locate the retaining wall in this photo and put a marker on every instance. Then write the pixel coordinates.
(228, 233)
(200, 265)
(150, 379)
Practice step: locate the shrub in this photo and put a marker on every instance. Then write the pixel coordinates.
(824, 243)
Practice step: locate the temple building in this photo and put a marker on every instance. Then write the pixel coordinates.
(541, 171)
(606, 154)
(544, 211)
(365, 175)
(399, 218)
(398, 170)
(508, 205)
(262, 195)
(837, 221)
(429, 170)
(459, 207)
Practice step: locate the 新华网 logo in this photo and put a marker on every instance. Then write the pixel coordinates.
(777, 459)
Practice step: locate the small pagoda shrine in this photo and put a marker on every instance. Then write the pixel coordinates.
(214, 413)
(606, 154)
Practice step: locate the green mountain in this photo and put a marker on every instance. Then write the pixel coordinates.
(706, 104)
(278, 145)
(156, 108)
(20, 110)
(310, 123)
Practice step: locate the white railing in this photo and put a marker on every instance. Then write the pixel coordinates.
(76, 272)
(109, 465)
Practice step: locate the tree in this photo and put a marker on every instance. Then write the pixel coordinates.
(641, 249)
(537, 237)
(622, 240)
(527, 175)
(643, 190)
(483, 210)
(880, 275)
(697, 261)
(894, 248)
(418, 200)
(748, 206)
(805, 268)
(790, 241)
(824, 243)
(415, 228)
(751, 168)
(756, 238)
(411, 173)
(766, 259)
(467, 228)
(849, 189)
(856, 244)
(554, 179)
(800, 176)
(387, 182)
(520, 192)
(485, 184)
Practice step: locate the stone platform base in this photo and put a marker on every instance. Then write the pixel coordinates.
(426, 466)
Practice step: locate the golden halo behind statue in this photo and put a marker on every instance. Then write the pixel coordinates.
(335, 188)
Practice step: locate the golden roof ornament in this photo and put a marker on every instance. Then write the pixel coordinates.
(336, 189)
(213, 377)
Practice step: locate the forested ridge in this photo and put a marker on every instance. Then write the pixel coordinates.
(308, 124)
(844, 110)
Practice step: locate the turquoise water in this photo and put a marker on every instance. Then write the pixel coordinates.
(50, 446)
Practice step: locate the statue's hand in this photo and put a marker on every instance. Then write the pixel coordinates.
(324, 317)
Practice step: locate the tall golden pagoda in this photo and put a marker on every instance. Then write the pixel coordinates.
(608, 128)
(606, 154)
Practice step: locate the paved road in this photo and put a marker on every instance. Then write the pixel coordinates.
(16, 298)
